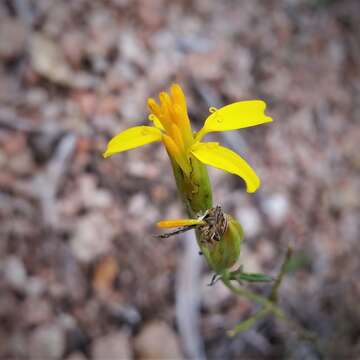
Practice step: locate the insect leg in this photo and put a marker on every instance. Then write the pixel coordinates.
(175, 232)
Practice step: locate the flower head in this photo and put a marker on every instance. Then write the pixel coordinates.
(171, 125)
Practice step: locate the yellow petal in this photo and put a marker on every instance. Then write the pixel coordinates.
(183, 121)
(132, 138)
(179, 222)
(213, 154)
(165, 101)
(180, 112)
(177, 137)
(176, 154)
(235, 116)
(178, 95)
(154, 107)
(156, 121)
(156, 110)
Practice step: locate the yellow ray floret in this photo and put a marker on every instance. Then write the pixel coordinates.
(176, 153)
(213, 154)
(156, 122)
(235, 116)
(179, 223)
(132, 138)
(180, 111)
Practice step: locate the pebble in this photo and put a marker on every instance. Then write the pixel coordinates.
(18, 345)
(213, 297)
(250, 220)
(132, 49)
(250, 261)
(137, 168)
(92, 237)
(12, 38)
(137, 203)
(157, 340)
(112, 346)
(276, 207)
(91, 195)
(127, 314)
(36, 311)
(22, 164)
(15, 272)
(35, 286)
(48, 60)
(47, 342)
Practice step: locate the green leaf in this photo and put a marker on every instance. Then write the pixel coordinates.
(251, 277)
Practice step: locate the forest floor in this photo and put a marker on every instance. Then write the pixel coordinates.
(81, 275)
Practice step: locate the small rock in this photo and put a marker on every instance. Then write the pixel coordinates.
(92, 237)
(137, 203)
(137, 168)
(15, 272)
(213, 296)
(159, 193)
(73, 282)
(157, 340)
(47, 342)
(266, 250)
(151, 13)
(12, 38)
(250, 221)
(276, 208)
(77, 338)
(22, 164)
(112, 347)
(91, 195)
(49, 61)
(66, 322)
(74, 45)
(36, 311)
(124, 314)
(250, 261)
(18, 345)
(131, 49)
(35, 286)
(140, 204)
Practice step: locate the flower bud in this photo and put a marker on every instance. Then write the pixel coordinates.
(223, 252)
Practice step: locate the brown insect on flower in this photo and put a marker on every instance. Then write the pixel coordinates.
(211, 225)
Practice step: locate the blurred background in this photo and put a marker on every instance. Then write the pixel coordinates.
(81, 276)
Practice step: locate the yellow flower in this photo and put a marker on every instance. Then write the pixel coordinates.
(171, 125)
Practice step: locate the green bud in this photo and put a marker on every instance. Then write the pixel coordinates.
(220, 240)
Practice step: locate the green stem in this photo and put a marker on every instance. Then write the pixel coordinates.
(195, 191)
(268, 305)
(258, 299)
(196, 194)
